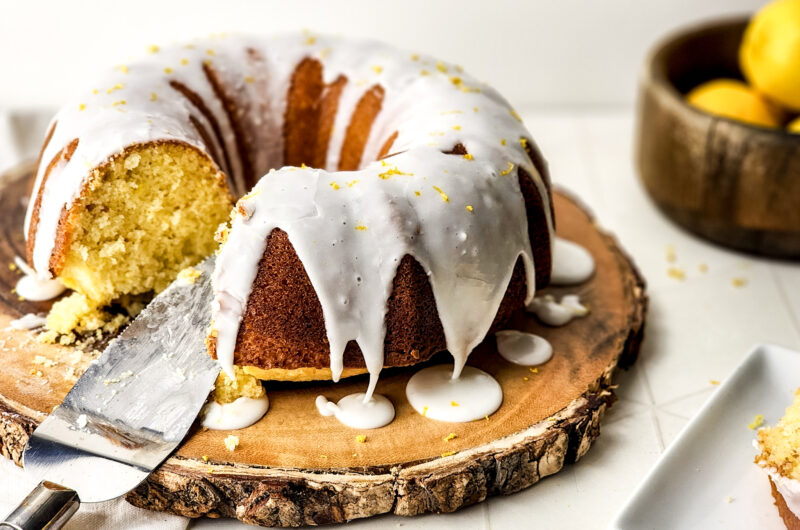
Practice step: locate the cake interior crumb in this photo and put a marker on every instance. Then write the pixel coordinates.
(780, 444)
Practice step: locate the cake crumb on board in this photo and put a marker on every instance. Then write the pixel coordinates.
(231, 442)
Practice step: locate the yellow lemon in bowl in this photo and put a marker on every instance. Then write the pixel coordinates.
(794, 126)
(770, 52)
(733, 99)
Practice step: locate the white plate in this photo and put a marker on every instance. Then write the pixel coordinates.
(712, 458)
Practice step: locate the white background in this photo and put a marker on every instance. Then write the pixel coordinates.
(565, 52)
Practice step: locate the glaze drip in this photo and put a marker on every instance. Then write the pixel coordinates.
(442, 209)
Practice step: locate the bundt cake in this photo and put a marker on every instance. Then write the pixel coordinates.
(411, 214)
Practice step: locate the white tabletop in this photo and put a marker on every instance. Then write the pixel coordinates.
(697, 330)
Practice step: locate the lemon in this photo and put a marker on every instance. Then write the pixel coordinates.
(734, 99)
(770, 52)
(794, 126)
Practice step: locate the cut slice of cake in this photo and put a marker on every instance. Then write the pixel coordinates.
(779, 456)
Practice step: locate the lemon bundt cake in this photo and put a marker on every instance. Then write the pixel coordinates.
(411, 214)
(779, 456)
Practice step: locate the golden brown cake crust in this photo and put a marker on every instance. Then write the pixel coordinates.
(301, 118)
(357, 134)
(283, 326)
(789, 518)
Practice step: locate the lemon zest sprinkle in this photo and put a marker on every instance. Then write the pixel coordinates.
(757, 422)
(393, 171)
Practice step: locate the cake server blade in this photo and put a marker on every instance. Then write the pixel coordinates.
(129, 410)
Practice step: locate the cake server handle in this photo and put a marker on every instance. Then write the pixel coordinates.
(48, 506)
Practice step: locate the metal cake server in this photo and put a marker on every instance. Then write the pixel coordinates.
(127, 412)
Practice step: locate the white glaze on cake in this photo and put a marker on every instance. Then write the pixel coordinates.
(349, 229)
(358, 410)
(444, 210)
(435, 394)
(525, 349)
(29, 321)
(572, 264)
(239, 414)
(557, 312)
(788, 488)
(35, 288)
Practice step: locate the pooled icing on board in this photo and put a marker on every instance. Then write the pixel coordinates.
(436, 394)
(557, 313)
(572, 264)
(525, 349)
(355, 411)
(239, 414)
(28, 321)
(34, 288)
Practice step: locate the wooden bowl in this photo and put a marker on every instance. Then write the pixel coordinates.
(732, 183)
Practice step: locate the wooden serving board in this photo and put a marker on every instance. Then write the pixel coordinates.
(295, 467)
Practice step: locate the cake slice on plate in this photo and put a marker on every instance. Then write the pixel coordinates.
(779, 456)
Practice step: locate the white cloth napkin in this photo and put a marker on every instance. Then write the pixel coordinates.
(15, 485)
